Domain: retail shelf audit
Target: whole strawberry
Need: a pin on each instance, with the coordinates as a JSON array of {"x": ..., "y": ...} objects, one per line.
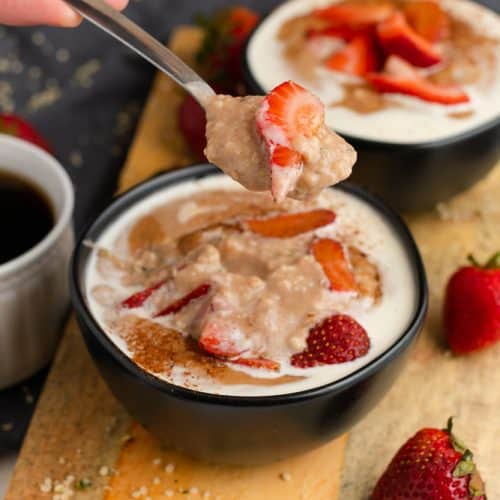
[
  {"x": 20, "y": 128},
  {"x": 432, "y": 465},
  {"x": 472, "y": 306},
  {"x": 337, "y": 339}
]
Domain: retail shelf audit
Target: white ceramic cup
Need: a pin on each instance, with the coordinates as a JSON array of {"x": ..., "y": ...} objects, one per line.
[{"x": 34, "y": 294}]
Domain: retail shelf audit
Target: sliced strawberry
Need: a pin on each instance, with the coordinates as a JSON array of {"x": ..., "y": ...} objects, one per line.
[
  {"x": 336, "y": 339},
  {"x": 138, "y": 299},
  {"x": 290, "y": 225},
  {"x": 286, "y": 167},
  {"x": 179, "y": 304},
  {"x": 287, "y": 112},
  {"x": 331, "y": 256},
  {"x": 358, "y": 57},
  {"x": 397, "y": 37},
  {"x": 354, "y": 15},
  {"x": 283, "y": 156},
  {"x": 261, "y": 363},
  {"x": 418, "y": 87},
  {"x": 218, "y": 339},
  {"x": 428, "y": 19},
  {"x": 346, "y": 33}
]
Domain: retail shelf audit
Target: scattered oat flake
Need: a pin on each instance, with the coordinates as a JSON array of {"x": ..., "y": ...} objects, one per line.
[
  {"x": 141, "y": 492},
  {"x": 6, "y": 427},
  {"x": 83, "y": 484},
  {"x": 34, "y": 72},
  {"x": 193, "y": 490},
  {"x": 169, "y": 468},
  {"x": 168, "y": 493},
  {"x": 76, "y": 158},
  {"x": 38, "y": 38},
  {"x": 62, "y": 55},
  {"x": 104, "y": 471},
  {"x": 84, "y": 75},
  {"x": 156, "y": 480},
  {"x": 44, "y": 98},
  {"x": 285, "y": 476},
  {"x": 46, "y": 485},
  {"x": 157, "y": 461},
  {"x": 7, "y": 104}
]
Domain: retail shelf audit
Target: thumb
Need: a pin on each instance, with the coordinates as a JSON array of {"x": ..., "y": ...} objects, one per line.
[{"x": 51, "y": 12}]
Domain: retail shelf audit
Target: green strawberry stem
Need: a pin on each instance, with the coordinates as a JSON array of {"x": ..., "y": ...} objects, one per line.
[
  {"x": 492, "y": 263},
  {"x": 466, "y": 465}
]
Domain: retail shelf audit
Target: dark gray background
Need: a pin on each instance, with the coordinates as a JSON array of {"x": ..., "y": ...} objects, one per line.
[{"x": 84, "y": 91}]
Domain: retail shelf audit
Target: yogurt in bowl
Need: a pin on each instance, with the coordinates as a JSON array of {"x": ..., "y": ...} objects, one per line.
[
  {"x": 283, "y": 48},
  {"x": 224, "y": 407},
  {"x": 413, "y": 152}
]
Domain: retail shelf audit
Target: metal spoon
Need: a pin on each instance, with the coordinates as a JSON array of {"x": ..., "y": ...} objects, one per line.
[{"x": 130, "y": 34}]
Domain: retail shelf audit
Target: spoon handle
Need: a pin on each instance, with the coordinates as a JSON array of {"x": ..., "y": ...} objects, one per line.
[{"x": 130, "y": 34}]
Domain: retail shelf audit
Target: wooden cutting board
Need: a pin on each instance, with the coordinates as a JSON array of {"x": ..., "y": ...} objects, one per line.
[{"x": 83, "y": 445}]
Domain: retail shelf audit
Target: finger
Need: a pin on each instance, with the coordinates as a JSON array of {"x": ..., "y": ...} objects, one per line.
[{"x": 51, "y": 12}]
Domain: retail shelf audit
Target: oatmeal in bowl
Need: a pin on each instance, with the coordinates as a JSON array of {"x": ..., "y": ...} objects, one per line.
[{"x": 202, "y": 302}]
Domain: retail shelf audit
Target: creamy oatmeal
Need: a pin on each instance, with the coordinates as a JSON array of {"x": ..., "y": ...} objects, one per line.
[
  {"x": 258, "y": 143},
  {"x": 220, "y": 290},
  {"x": 453, "y": 86}
]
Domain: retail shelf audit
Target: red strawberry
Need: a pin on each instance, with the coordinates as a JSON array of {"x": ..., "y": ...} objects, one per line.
[
  {"x": 472, "y": 306},
  {"x": 346, "y": 33},
  {"x": 337, "y": 339},
  {"x": 138, "y": 299},
  {"x": 18, "y": 127},
  {"x": 241, "y": 21},
  {"x": 432, "y": 464},
  {"x": 290, "y": 225},
  {"x": 402, "y": 78},
  {"x": 179, "y": 304},
  {"x": 192, "y": 122},
  {"x": 287, "y": 112},
  {"x": 358, "y": 57},
  {"x": 331, "y": 256},
  {"x": 354, "y": 15},
  {"x": 428, "y": 19},
  {"x": 421, "y": 88},
  {"x": 260, "y": 363},
  {"x": 220, "y": 55},
  {"x": 398, "y": 37},
  {"x": 219, "y": 339}
]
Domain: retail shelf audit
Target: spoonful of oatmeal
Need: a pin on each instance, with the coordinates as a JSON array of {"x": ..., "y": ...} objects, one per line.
[{"x": 277, "y": 143}]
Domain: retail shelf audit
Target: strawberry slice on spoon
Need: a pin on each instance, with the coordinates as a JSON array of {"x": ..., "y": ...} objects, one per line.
[{"x": 289, "y": 111}]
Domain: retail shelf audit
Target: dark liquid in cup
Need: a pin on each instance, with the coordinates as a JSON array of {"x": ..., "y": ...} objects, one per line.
[{"x": 26, "y": 215}]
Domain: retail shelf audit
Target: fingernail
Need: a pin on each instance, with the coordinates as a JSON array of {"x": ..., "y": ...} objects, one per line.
[{"x": 70, "y": 18}]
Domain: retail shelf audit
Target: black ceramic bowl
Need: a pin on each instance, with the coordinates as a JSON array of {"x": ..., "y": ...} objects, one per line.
[
  {"x": 236, "y": 429},
  {"x": 414, "y": 176}
]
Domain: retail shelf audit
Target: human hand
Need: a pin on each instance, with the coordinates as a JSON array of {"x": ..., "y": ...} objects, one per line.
[{"x": 52, "y": 12}]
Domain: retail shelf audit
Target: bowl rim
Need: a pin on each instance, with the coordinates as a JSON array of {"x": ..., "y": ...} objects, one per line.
[
  {"x": 254, "y": 86},
  {"x": 172, "y": 178}
]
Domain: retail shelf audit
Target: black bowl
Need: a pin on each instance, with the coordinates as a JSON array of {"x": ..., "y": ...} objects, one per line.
[
  {"x": 417, "y": 176},
  {"x": 236, "y": 429}
]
